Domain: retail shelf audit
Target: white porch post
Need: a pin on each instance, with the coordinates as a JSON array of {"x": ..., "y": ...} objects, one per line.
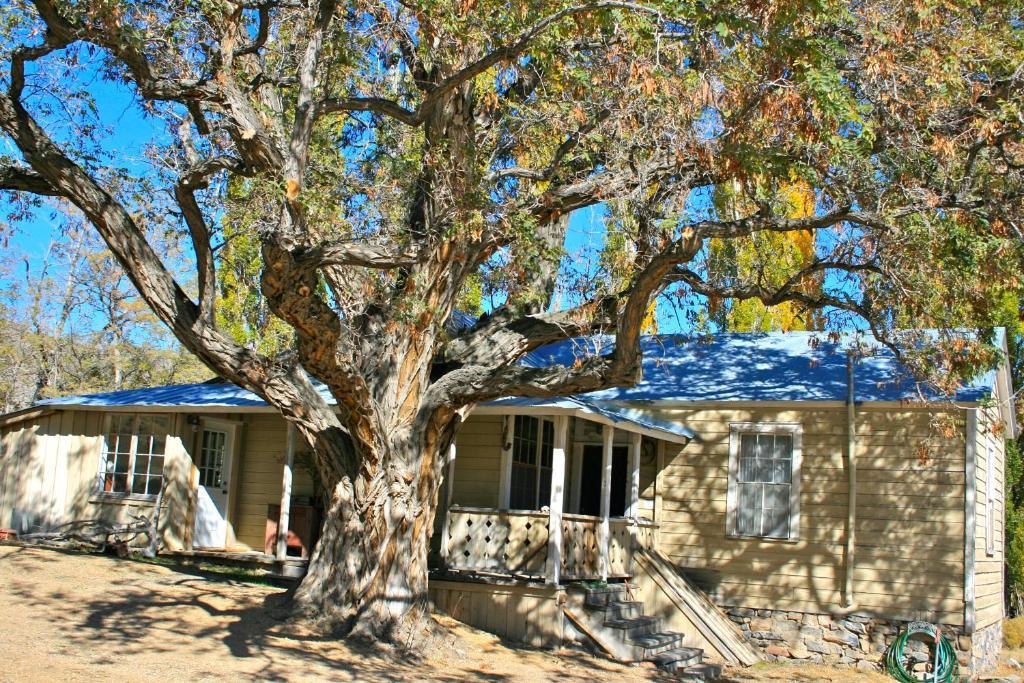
[
  {"x": 449, "y": 481},
  {"x": 554, "y": 564},
  {"x": 633, "y": 510},
  {"x": 505, "y": 481},
  {"x": 286, "y": 496},
  {"x": 608, "y": 434}
]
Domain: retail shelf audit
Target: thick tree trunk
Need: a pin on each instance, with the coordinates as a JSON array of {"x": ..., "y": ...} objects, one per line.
[{"x": 368, "y": 573}]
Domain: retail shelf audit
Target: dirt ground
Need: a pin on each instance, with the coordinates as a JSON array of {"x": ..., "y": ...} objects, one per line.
[{"x": 70, "y": 617}]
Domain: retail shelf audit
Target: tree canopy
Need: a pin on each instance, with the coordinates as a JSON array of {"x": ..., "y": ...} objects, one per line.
[{"x": 349, "y": 173}]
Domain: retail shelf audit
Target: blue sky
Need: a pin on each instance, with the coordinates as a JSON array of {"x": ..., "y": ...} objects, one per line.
[{"x": 128, "y": 131}]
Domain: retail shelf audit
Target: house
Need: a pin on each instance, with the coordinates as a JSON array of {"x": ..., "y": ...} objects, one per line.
[{"x": 764, "y": 496}]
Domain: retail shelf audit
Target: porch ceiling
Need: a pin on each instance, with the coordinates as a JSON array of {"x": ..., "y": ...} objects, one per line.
[{"x": 621, "y": 418}]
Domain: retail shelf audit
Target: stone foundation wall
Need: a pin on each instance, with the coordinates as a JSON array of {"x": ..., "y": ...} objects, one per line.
[
  {"x": 856, "y": 641},
  {"x": 986, "y": 644}
]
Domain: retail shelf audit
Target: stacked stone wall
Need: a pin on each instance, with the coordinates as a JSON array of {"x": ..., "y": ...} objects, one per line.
[{"x": 855, "y": 640}]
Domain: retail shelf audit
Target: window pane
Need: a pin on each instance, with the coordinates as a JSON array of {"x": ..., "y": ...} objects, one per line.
[
  {"x": 776, "y": 511},
  {"x": 783, "y": 446},
  {"x": 523, "y": 487},
  {"x": 547, "y": 446},
  {"x": 116, "y": 455},
  {"x": 212, "y": 454},
  {"x": 748, "y": 509},
  {"x": 544, "y": 497},
  {"x": 783, "y": 471},
  {"x": 524, "y": 441},
  {"x": 763, "y": 471},
  {"x": 748, "y": 445},
  {"x": 149, "y": 456},
  {"x": 748, "y": 469}
]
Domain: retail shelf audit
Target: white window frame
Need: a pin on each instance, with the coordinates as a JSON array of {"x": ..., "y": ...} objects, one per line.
[
  {"x": 736, "y": 429},
  {"x": 133, "y": 453},
  {"x": 508, "y": 447}
]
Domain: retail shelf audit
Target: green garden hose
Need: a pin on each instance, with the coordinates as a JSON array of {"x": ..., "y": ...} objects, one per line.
[{"x": 945, "y": 658}]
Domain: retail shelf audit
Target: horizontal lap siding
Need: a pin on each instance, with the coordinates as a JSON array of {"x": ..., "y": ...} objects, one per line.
[
  {"x": 49, "y": 466},
  {"x": 478, "y": 462},
  {"x": 988, "y": 568},
  {"x": 261, "y": 456},
  {"x": 910, "y": 515}
]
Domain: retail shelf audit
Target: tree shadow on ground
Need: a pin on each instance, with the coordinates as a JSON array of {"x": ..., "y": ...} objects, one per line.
[{"x": 125, "y": 612}]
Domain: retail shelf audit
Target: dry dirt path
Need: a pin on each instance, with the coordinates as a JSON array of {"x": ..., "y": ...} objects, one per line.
[{"x": 73, "y": 617}]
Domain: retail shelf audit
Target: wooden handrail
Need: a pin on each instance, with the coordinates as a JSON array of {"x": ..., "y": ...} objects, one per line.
[{"x": 537, "y": 513}]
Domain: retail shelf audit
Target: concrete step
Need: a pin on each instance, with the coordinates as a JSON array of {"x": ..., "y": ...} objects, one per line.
[
  {"x": 612, "y": 593},
  {"x": 678, "y": 658},
  {"x": 628, "y": 629},
  {"x": 697, "y": 673},
  {"x": 618, "y": 610},
  {"x": 652, "y": 644}
]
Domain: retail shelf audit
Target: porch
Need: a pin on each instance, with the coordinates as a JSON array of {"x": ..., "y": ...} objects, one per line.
[
  {"x": 572, "y": 501},
  {"x": 520, "y": 544}
]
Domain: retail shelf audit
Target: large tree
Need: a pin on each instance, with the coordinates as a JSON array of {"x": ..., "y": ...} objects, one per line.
[{"x": 378, "y": 160}]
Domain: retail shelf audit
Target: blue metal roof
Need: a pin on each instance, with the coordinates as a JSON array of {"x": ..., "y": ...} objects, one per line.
[
  {"x": 614, "y": 415},
  {"x": 730, "y": 367},
  {"x": 214, "y": 394},
  {"x": 790, "y": 366}
]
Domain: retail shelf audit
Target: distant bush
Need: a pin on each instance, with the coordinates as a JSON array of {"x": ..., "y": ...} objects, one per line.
[{"x": 1013, "y": 632}]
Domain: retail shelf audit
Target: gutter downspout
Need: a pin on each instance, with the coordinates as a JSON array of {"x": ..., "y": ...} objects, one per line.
[{"x": 851, "y": 464}]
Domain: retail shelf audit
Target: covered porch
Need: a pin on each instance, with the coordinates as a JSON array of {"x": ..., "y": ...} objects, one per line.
[{"x": 560, "y": 464}]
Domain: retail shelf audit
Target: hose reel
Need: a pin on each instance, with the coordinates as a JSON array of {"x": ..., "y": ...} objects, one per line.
[{"x": 942, "y": 656}]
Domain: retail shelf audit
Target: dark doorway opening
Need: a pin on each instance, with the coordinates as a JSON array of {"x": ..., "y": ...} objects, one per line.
[{"x": 590, "y": 481}]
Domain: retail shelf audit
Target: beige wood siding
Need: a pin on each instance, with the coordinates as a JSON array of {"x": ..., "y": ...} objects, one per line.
[
  {"x": 260, "y": 465},
  {"x": 988, "y": 567},
  {"x": 520, "y": 614},
  {"x": 910, "y": 515},
  {"x": 49, "y": 466},
  {"x": 478, "y": 462}
]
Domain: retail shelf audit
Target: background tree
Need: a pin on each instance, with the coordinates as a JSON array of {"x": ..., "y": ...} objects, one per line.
[
  {"x": 764, "y": 259},
  {"x": 71, "y": 322},
  {"x": 390, "y": 159}
]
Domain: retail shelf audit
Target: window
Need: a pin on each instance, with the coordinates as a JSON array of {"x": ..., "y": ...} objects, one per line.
[
  {"x": 764, "y": 480},
  {"x": 533, "y": 443},
  {"x": 132, "y": 461},
  {"x": 212, "y": 454}
]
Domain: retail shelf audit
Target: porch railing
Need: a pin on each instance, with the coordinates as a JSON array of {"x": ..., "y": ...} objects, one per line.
[
  {"x": 516, "y": 543},
  {"x": 503, "y": 542}
]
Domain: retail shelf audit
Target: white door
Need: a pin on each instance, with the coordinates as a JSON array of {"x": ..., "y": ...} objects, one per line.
[{"x": 215, "y": 448}]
